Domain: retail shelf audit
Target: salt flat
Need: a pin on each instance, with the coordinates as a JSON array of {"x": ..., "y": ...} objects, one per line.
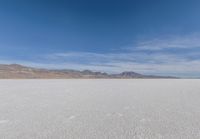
[{"x": 100, "y": 109}]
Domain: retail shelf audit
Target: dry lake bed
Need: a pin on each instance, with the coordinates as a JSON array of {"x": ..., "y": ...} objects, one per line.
[{"x": 100, "y": 109}]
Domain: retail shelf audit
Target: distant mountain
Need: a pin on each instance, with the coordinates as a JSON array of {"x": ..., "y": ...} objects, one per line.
[
  {"x": 15, "y": 71},
  {"x": 129, "y": 74}
]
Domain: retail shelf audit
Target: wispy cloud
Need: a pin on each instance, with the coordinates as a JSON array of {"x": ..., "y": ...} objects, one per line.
[
  {"x": 177, "y": 56},
  {"x": 172, "y": 42},
  {"x": 169, "y": 56},
  {"x": 162, "y": 64},
  {"x": 153, "y": 63}
]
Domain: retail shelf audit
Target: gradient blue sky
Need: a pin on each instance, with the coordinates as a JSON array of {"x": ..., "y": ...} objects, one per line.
[{"x": 147, "y": 36}]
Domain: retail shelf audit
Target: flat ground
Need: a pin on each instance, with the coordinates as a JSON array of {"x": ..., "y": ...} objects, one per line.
[{"x": 100, "y": 109}]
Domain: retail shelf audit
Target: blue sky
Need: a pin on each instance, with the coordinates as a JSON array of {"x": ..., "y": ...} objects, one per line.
[{"x": 147, "y": 36}]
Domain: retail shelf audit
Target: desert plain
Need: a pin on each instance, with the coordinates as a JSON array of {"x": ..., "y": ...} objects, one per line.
[{"x": 100, "y": 109}]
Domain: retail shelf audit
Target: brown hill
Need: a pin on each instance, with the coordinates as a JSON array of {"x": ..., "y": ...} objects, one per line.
[{"x": 15, "y": 71}]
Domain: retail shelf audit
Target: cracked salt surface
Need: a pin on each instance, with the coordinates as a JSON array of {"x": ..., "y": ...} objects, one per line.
[{"x": 100, "y": 109}]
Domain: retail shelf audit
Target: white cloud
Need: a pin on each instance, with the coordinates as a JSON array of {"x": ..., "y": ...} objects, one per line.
[
  {"x": 159, "y": 61},
  {"x": 173, "y": 42}
]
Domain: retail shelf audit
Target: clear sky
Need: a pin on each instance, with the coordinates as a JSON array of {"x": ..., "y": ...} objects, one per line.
[{"x": 147, "y": 36}]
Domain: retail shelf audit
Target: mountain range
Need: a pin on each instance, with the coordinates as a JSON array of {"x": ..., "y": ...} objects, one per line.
[{"x": 16, "y": 71}]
